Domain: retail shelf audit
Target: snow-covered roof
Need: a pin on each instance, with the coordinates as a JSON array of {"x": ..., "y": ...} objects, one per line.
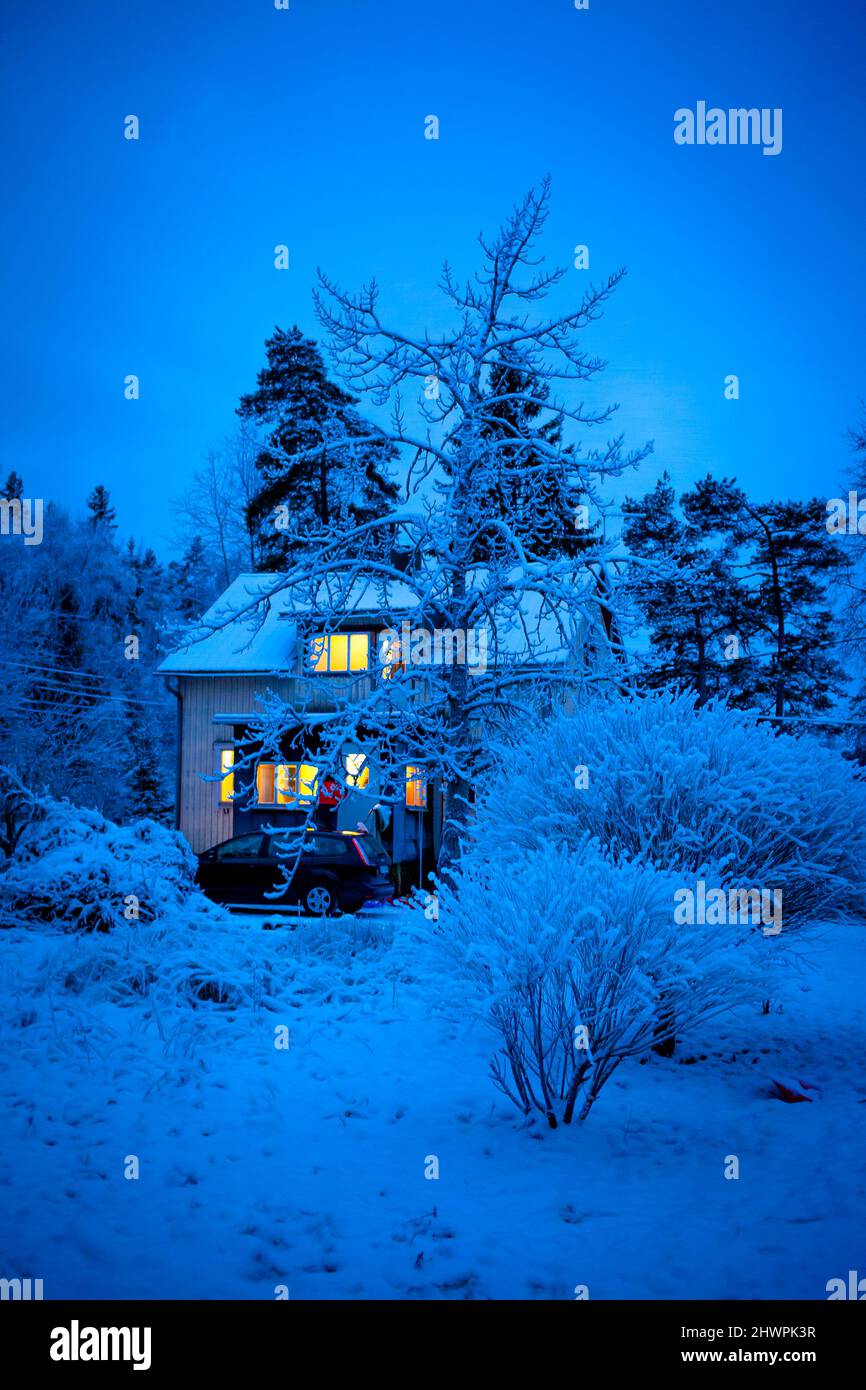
[{"x": 252, "y": 628}]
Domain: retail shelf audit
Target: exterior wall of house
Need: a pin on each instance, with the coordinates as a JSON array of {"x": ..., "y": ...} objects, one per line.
[{"x": 201, "y": 817}]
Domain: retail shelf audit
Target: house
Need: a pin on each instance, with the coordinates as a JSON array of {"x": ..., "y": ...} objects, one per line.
[
  {"x": 255, "y": 643},
  {"x": 259, "y": 641}
]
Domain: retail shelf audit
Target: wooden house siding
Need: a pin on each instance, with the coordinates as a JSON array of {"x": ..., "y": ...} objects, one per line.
[{"x": 200, "y": 816}]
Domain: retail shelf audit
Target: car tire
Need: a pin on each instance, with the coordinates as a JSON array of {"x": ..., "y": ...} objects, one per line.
[{"x": 321, "y": 900}]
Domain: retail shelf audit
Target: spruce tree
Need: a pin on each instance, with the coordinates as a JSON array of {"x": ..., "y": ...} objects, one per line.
[
  {"x": 528, "y": 477},
  {"x": 102, "y": 513},
  {"x": 192, "y": 585},
  {"x": 320, "y": 461}
]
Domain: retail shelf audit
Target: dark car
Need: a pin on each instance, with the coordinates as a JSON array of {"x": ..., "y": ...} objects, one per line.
[{"x": 338, "y": 870}]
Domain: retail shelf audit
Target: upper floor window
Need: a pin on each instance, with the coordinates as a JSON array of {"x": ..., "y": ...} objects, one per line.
[{"x": 331, "y": 653}]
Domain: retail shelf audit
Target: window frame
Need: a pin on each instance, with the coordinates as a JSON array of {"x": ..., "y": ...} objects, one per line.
[
  {"x": 327, "y": 639},
  {"x": 288, "y": 798},
  {"x": 223, "y": 750},
  {"x": 415, "y": 776}
]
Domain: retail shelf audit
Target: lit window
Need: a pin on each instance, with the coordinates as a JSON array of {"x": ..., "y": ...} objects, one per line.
[
  {"x": 340, "y": 652},
  {"x": 308, "y": 781},
  {"x": 416, "y": 788},
  {"x": 265, "y": 784},
  {"x": 357, "y": 770},
  {"x": 286, "y": 784},
  {"x": 227, "y": 776}
]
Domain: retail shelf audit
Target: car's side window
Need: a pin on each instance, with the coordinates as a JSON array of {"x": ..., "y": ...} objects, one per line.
[
  {"x": 286, "y": 846},
  {"x": 329, "y": 849},
  {"x": 244, "y": 847}
]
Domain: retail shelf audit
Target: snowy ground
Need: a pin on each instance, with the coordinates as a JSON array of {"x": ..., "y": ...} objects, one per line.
[{"x": 305, "y": 1167}]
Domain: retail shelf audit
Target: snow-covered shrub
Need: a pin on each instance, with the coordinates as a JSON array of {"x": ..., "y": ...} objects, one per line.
[
  {"x": 76, "y": 870},
  {"x": 704, "y": 792},
  {"x": 575, "y": 962}
]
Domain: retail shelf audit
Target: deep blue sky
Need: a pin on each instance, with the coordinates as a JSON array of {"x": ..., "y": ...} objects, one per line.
[{"x": 261, "y": 126}]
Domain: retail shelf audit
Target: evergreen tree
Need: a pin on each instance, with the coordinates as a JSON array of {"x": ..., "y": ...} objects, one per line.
[
  {"x": 853, "y": 544},
  {"x": 192, "y": 585},
  {"x": 13, "y": 487},
  {"x": 321, "y": 462},
  {"x": 146, "y": 765},
  {"x": 730, "y": 568},
  {"x": 685, "y": 592},
  {"x": 528, "y": 477},
  {"x": 102, "y": 513}
]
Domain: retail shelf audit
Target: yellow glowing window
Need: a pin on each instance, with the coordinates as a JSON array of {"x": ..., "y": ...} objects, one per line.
[
  {"x": 416, "y": 788},
  {"x": 357, "y": 770},
  {"x": 265, "y": 784},
  {"x": 341, "y": 651},
  {"x": 307, "y": 777},
  {"x": 227, "y": 776},
  {"x": 286, "y": 784}
]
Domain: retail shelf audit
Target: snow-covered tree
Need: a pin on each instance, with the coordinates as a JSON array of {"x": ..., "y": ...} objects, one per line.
[
  {"x": 576, "y": 955},
  {"x": 853, "y": 624},
  {"x": 464, "y": 562},
  {"x": 191, "y": 587},
  {"x": 79, "y": 629}
]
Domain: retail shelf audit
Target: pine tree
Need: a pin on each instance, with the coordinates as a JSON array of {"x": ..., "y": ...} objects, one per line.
[
  {"x": 734, "y": 595},
  {"x": 683, "y": 591},
  {"x": 102, "y": 513},
  {"x": 13, "y": 487},
  {"x": 784, "y": 560},
  {"x": 320, "y": 462}
]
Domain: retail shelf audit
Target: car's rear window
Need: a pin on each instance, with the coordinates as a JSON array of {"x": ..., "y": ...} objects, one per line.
[
  {"x": 373, "y": 847},
  {"x": 333, "y": 846}
]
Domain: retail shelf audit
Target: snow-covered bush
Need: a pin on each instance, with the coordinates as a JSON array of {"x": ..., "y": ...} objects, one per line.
[
  {"x": 575, "y": 963},
  {"x": 75, "y": 870},
  {"x": 699, "y": 791}
]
